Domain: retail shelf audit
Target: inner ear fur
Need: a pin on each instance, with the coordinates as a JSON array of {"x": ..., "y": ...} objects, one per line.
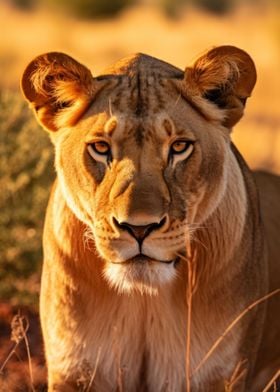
[
  {"x": 224, "y": 76},
  {"x": 58, "y": 88}
]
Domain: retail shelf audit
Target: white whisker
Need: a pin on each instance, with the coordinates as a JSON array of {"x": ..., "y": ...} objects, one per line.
[
  {"x": 110, "y": 107},
  {"x": 176, "y": 102},
  {"x": 195, "y": 239},
  {"x": 88, "y": 239}
]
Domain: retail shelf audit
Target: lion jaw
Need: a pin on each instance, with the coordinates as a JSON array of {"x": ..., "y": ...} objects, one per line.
[{"x": 142, "y": 275}]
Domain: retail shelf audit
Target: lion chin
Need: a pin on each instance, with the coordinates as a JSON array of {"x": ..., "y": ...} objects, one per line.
[{"x": 140, "y": 274}]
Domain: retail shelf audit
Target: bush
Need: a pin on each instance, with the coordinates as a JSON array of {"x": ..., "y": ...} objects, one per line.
[
  {"x": 173, "y": 7},
  {"x": 90, "y": 8},
  {"x": 26, "y": 174},
  {"x": 24, "y": 4},
  {"x": 216, "y": 6}
]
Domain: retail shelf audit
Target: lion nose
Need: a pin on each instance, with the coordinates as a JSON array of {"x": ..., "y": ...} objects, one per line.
[{"x": 139, "y": 232}]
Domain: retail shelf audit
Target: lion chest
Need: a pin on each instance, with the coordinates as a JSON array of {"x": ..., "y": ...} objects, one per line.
[
  {"x": 134, "y": 342},
  {"x": 144, "y": 343},
  {"x": 138, "y": 343}
]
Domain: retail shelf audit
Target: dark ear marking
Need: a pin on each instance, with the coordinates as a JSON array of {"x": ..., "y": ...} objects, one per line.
[
  {"x": 216, "y": 96},
  {"x": 243, "y": 100}
]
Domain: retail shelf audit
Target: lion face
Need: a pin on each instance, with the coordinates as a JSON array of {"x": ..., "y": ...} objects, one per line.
[
  {"x": 142, "y": 185},
  {"x": 140, "y": 163}
]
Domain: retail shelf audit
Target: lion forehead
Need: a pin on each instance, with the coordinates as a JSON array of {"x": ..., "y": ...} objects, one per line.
[
  {"x": 134, "y": 133},
  {"x": 144, "y": 64},
  {"x": 139, "y": 85}
]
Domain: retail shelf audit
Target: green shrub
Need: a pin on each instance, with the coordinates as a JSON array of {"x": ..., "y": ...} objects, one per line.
[
  {"x": 90, "y": 8},
  {"x": 24, "y": 4},
  {"x": 173, "y": 7},
  {"x": 216, "y": 6},
  {"x": 26, "y": 174}
]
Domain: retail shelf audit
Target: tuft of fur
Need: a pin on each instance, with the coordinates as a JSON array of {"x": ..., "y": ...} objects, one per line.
[
  {"x": 224, "y": 76},
  {"x": 59, "y": 88},
  {"x": 208, "y": 74}
]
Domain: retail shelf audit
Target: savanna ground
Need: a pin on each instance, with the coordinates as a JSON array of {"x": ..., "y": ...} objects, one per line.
[{"x": 26, "y": 157}]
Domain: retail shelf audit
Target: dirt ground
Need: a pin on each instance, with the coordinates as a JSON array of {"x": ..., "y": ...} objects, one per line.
[{"x": 16, "y": 375}]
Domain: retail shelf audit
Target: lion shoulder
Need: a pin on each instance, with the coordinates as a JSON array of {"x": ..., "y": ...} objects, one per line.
[{"x": 269, "y": 193}]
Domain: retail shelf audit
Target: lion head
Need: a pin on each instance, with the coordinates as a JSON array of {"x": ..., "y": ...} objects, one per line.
[{"x": 142, "y": 151}]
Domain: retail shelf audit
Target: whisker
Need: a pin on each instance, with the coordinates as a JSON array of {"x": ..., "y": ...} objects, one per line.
[
  {"x": 195, "y": 239},
  {"x": 88, "y": 239},
  {"x": 110, "y": 107},
  {"x": 176, "y": 102},
  {"x": 198, "y": 226}
]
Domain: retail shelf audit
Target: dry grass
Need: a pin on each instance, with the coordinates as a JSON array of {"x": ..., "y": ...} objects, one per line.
[
  {"x": 272, "y": 383},
  {"x": 19, "y": 331},
  {"x": 232, "y": 325},
  {"x": 19, "y": 328},
  {"x": 240, "y": 369},
  {"x": 237, "y": 375},
  {"x": 86, "y": 373},
  {"x": 191, "y": 289}
]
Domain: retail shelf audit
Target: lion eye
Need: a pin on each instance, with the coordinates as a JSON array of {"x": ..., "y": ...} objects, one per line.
[
  {"x": 101, "y": 147},
  {"x": 179, "y": 146},
  {"x": 100, "y": 151},
  {"x": 180, "y": 150}
]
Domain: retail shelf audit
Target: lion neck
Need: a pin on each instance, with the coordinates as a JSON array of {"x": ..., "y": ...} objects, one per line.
[
  {"x": 231, "y": 240},
  {"x": 220, "y": 238}
]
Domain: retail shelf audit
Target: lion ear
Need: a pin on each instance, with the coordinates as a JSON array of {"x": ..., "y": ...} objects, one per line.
[
  {"x": 58, "y": 88},
  {"x": 224, "y": 76}
]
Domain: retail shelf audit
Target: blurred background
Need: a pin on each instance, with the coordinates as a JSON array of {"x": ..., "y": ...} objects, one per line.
[{"x": 97, "y": 33}]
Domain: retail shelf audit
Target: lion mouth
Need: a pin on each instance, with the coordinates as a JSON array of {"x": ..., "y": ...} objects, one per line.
[
  {"x": 140, "y": 273},
  {"x": 143, "y": 259}
]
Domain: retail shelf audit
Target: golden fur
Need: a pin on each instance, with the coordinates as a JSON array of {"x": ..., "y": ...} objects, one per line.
[{"x": 121, "y": 223}]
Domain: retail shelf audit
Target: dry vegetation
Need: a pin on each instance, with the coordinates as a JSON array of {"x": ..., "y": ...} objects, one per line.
[{"x": 26, "y": 166}]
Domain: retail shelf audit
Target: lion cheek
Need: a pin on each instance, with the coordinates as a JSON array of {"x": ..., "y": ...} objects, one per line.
[
  {"x": 163, "y": 251},
  {"x": 116, "y": 251}
]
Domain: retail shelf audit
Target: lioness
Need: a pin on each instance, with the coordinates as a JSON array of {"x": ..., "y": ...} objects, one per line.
[{"x": 149, "y": 189}]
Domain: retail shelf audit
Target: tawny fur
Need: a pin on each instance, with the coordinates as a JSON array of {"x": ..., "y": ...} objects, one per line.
[{"x": 125, "y": 320}]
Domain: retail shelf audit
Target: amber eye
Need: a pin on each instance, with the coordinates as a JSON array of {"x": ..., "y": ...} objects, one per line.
[
  {"x": 180, "y": 150},
  {"x": 101, "y": 148},
  {"x": 180, "y": 146},
  {"x": 100, "y": 151}
]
